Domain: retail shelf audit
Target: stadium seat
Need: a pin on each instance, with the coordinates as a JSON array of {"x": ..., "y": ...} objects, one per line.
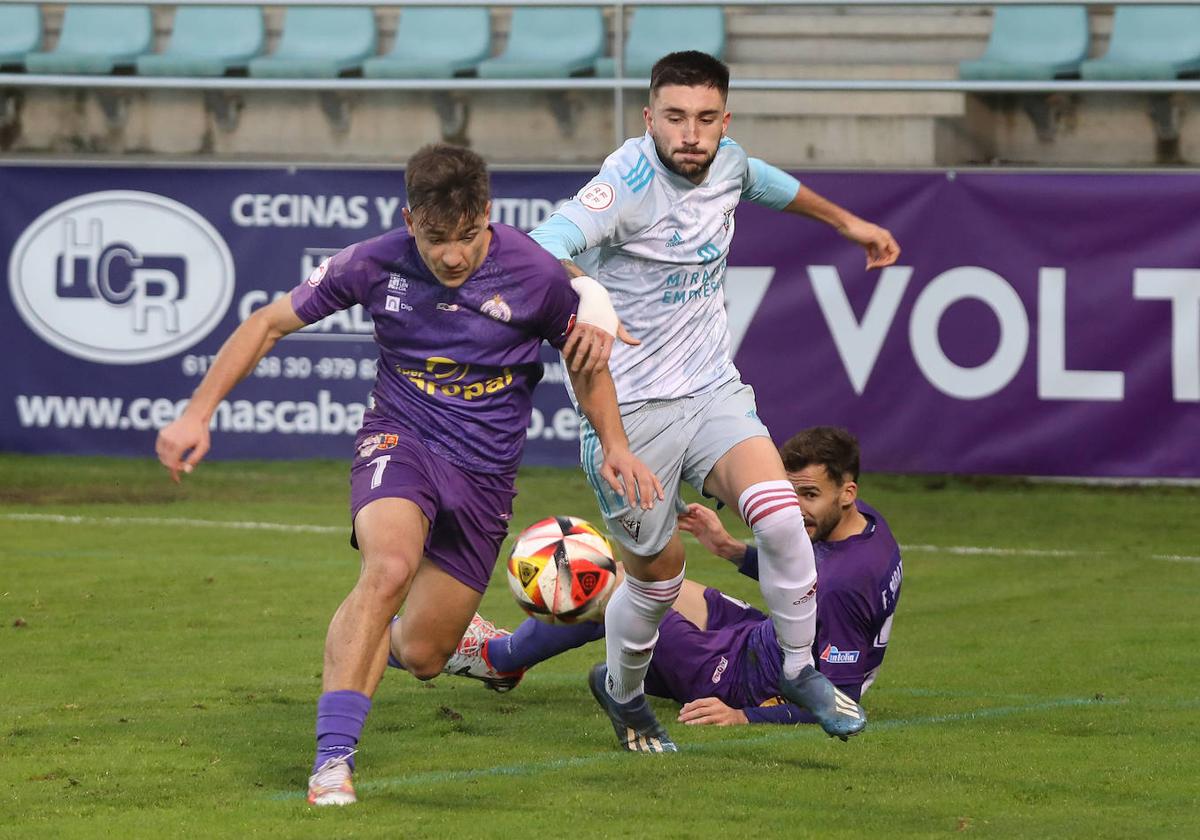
[
  {"x": 208, "y": 41},
  {"x": 97, "y": 39},
  {"x": 319, "y": 42},
  {"x": 549, "y": 43},
  {"x": 435, "y": 43},
  {"x": 1032, "y": 42},
  {"x": 20, "y": 32},
  {"x": 655, "y": 31},
  {"x": 1150, "y": 42}
]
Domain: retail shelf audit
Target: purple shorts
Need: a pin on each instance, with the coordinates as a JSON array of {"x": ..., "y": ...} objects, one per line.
[
  {"x": 690, "y": 663},
  {"x": 468, "y": 513}
]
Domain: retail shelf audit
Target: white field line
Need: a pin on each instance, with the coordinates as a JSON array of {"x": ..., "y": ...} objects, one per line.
[
  {"x": 180, "y": 522},
  {"x": 174, "y": 522}
]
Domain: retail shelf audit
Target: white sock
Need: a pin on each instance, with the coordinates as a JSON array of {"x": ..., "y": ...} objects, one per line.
[
  {"x": 631, "y": 629},
  {"x": 787, "y": 570}
]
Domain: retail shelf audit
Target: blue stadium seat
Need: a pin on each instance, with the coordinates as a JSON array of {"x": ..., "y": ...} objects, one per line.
[
  {"x": 320, "y": 42},
  {"x": 1032, "y": 42},
  {"x": 435, "y": 43},
  {"x": 655, "y": 31},
  {"x": 96, "y": 40},
  {"x": 208, "y": 41},
  {"x": 20, "y": 32},
  {"x": 1150, "y": 42},
  {"x": 548, "y": 43}
]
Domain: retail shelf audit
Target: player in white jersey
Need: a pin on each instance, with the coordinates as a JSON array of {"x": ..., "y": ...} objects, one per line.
[{"x": 654, "y": 227}]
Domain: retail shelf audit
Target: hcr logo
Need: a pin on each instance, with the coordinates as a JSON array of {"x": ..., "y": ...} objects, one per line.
[{"x": 121, "y": 277}]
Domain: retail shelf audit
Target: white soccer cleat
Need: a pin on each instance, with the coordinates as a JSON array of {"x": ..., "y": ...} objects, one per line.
[
  {"x": 470, "y": 658},
  {"x": 331, "y": 784}
]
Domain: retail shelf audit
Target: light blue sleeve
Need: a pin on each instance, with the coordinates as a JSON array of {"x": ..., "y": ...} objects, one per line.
[
  {"x": 560, "y": 236},
  {"x": 768, "y": 185}
]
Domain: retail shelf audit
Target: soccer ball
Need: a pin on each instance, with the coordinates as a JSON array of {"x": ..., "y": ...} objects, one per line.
[{"x": 561, "y": 570}]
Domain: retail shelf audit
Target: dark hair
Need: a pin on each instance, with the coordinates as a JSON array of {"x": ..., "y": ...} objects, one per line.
[
  {"x": 690, "y": 68},
  {"x": 446, "y": 185},
  {"x": 831, "y": 447}
]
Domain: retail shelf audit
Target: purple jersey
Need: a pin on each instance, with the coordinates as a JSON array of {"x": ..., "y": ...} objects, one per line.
[
  {"x": 458, "y": 366},
  {"x": 858, "y": 585}
]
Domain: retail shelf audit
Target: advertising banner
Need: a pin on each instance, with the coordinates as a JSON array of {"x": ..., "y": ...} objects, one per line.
[{"x": 1042, "y": 324}]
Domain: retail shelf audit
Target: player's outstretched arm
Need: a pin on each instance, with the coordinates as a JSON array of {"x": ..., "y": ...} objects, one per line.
[
  {"x": 704, "y": 524},
  {"x": 881, "y": 247},
  {"x": 181, "y": 445},
  {"x": 623, "y": 471}
]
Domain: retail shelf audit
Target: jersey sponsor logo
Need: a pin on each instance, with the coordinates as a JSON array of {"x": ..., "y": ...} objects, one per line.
[
  {"x": 838, "y": 657},
  {"x": 598, "y": 196},
  {"x": 121, "y": 277},
  {"x": 397, "y": 283},
  {"x": 318, "y": 274},
  {"x": 675, "y": 241},
  {"x": 496, "y": 308},
  {"x": 720, "y": 670},
  {"x": 444, "y": 377},
  {"x": 392, "y": 304},
  {"x": 708, "y": 252},
  {"x": 447, "y": 307}
]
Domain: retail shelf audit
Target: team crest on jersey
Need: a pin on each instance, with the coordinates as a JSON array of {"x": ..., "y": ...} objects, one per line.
[
  {"x": 318, "y": 274},
  {"x": 838, "y": 657},
  {"x": 728, "y": 212},
  {"x": 374, "y": 443},
  {"x": 598, "y": 196},
  {"x": 497, "y": 308}
]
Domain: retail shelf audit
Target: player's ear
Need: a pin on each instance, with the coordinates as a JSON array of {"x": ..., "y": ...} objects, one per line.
[
  {"x": 849, "y": 493},
  {"x": 646, "y": 115},
  {"x": 725, "y": 123},
  {"x": 408, "y": 219}
]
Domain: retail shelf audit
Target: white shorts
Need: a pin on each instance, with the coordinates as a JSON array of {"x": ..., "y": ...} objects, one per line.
[{"x": 680, "y": 440}]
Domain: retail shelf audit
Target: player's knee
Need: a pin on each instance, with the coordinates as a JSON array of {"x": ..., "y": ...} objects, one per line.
[
  {"x": 423, "y": 659},
  {"x": 387, "y": 578}
]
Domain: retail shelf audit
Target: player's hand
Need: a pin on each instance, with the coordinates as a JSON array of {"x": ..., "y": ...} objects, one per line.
[
  {"x": 589, "y": 347},
  {"x": 711, "y": 712},
  {"x": 704, "y": 524},
  {"x": 881, "y": 247},
  {"x": 186, "y": 436},
  {"x": 631, "y": 479}
]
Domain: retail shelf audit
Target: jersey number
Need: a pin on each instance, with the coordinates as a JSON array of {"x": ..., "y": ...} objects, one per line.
[{"x": 380, "y": 463}]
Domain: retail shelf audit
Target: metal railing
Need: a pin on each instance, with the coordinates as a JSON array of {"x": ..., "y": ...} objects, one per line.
[{"x": 619, "y": 83}]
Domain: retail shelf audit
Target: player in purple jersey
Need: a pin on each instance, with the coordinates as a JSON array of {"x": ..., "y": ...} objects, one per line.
[
  {"x": 718, "y": 656},
  {"x": 460, "y": 308}
]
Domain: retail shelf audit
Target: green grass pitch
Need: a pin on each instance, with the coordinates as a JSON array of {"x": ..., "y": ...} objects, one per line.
[{"x": 159, "y": 666}]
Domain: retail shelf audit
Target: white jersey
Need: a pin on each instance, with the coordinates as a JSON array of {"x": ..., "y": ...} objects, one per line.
[{"x": 659, "y": 244}]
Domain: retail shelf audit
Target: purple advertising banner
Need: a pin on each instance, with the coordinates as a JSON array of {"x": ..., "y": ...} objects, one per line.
[{"x": 1041, "y": 324}]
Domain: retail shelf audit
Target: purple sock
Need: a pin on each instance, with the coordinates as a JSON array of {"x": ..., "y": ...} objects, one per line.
[
  {"x": 340, "y": 719},
  {"x": 535, "y": 641},
  {"x": 393, "y": 662}
]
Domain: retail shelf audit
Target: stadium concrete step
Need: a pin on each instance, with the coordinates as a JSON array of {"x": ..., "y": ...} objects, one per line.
[{"x": 843, "y": 70}]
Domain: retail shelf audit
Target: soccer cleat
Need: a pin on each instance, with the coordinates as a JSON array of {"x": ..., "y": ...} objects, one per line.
[
  {"x": 331, "y": 785},
  {"x": 638, "y": 730},
  {"x": 837, "y": 714},
  {"x": 470, "y": 659}
]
